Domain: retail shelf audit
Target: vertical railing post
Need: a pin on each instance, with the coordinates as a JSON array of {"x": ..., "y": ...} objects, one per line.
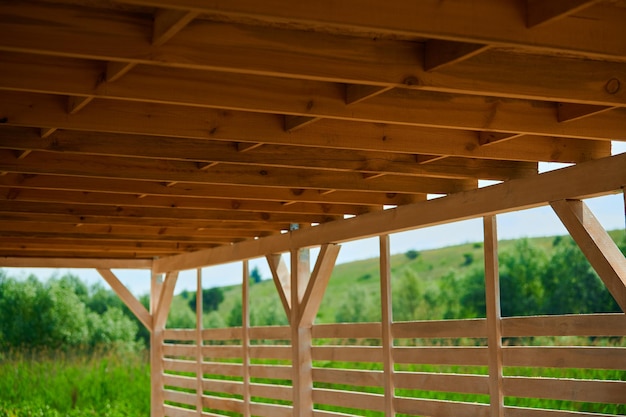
[
  {"x": 199, "y": 342},
  {"x": 302, "y": 363},
  {"x": 386, "y": 318},
  {"x": 245, "y": 338},
  {"x": 156, "y": 352},
  {"x": 494, "y": 318}
]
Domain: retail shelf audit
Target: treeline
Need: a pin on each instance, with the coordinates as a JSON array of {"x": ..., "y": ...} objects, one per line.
[
  {"x": 65, "y": 313},
  {"x": 532, "y": 282}
]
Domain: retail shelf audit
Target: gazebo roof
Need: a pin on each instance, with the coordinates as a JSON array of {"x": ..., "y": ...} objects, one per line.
[{"x": 149, "y": 128}]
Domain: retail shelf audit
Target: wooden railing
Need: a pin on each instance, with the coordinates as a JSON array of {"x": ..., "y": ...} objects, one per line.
[{"x": 440, "y": 368}]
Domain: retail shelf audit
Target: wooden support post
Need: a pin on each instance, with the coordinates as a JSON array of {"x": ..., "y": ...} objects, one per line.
[
  {"x": 156, "y": 352},
  {"x": 165, "y": 300},
  {"x": 386, "y": 317},
  {"x": 494, "y": 319},
  {"x": 127, "y": 297},
  {"x": 302, "y": 363},
  {"x": 199, "y": 342},
  {"x": 602, "y": 253},
  {"x": 245, "y": 337}
]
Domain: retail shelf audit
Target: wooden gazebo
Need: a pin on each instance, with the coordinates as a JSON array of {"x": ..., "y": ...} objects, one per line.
[{"x": 176, "y": 134}]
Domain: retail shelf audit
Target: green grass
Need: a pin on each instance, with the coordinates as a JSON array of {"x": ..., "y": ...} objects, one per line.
[{"x": 78, "y": 384}]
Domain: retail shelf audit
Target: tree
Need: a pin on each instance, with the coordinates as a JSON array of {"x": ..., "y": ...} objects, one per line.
[
  {"x": 412, "y": 254},
  {"x": 406, "y": 297},
  {"x": 255, "y": 275},
  {"x": 572, "y": 286},
  {"x": 211, "y": 299}
]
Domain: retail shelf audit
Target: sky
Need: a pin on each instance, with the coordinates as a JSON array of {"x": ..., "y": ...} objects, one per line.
[{"x": 542, "y": 221}]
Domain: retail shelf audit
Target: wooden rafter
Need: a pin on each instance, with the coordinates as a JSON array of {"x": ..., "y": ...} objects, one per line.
[
  {"x": 493, "y": 21},
  {"x": 540, "y": 12}
]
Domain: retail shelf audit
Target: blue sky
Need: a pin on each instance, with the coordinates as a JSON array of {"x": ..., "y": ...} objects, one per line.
[{"x": 528, "y": 223}]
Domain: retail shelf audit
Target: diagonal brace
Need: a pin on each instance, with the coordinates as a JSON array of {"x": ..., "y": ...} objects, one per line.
[
  {"x": 127, "y": 297},
  {"x": 596, "y": 244}
]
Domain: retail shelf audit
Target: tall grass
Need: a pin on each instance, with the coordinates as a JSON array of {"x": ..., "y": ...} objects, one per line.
[{"x": 112, "y": 383}]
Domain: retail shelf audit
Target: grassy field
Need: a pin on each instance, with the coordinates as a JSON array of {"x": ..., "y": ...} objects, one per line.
[{"x": 79, "y": 384}]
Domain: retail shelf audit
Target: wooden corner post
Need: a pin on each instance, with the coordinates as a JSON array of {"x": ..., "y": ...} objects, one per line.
[
  {"x": 301, "y": 296},
  {"x": 494, "y": 319},
  {"x": 161, "y": 294}
]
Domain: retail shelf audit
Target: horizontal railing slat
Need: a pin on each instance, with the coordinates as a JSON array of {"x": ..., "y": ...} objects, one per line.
[
  {"x": 270, "y": 333},
  {"x": 611, "y": 392},
  {"x": 270, "y": 352},
  {"x": 222, "y": 351},
  {"x": 170, "y": 349},
  {"x": 472, "y": 328},
  {"x": 538, "y": 412},
  {"x": 347, "y": 331},
  {"x": 221, "y": 334},
  {"x": 350, "y": 399},
  {"x": 179, "y": 365},
  {"x": 179, "y": 397},
  {"x": 224, "y": 386},
  {"x": 441, "y": 355},
  {"x": 270, "y": 410},
  {"x": 439, "y": 408},
  {"x": 180, "y": 381},
  {"x": 468, "y": 384},
  {"x": 348, "y": 377},
  {"x": 179, "y": 334},
  {"x": 271, "y": 371},
  {"x": 565, "y": 357},
  {"x": 173, "y": 411},
  {"x": 226, "y": 369},
  {"x": 347, "y": 353},
  {"x": 277, "y": 392},
  {"x": 224, "y": 404},
  {"x": 566, "y": 325}
]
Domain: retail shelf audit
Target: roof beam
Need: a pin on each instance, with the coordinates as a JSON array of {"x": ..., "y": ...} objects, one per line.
[
  {"x": 182, "y": 171},
  {"x": 539, "y": 12},
  {"x": 297, "y": 54},
  {"x": 11, "y": 262},
  {"x": 179, "y": 121},
  {"x": 138, "y": 188},
  {"x": 127, "y": 200},
  {"x": 183, "y": 149},
  {"x": 497, "y": 22},
  {"x": 592, "y": 178},
  {"x": 315, "y": 99}
]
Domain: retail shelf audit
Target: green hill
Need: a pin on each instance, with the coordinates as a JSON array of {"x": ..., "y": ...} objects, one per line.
[{"x": 354, "y": 287}]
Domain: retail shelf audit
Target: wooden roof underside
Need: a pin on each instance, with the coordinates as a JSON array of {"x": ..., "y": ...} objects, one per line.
[{"x": 147, "y": 128}]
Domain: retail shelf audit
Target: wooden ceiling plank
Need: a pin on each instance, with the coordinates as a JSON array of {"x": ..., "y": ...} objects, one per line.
[
  {"x": 114, "y": 221},
  {"x": 283, "y": 96},
  {"x": 592, "y": 178},
  {"x": 539, "y": 12},
  {"x": 84, "y": 210},
  {"x": 110, "y": 199},
  {"x": 30, "y": 228},
  {"x": 493, "y": 21},
  {"x": 178, "y": 121},
  {"x": 39, "y": 257},
  {"x": 293, "y": 54},
  {"x": 272, "y": 95},
  {"x": 178, "y": 171},
  {"x": 271, "y": 155},
  {"x": 108, "y": 238},
  {"x": 133, "y": 187},
  {"x": 573, "y": 111},
  {"x": 82, "y": 245},
  {"x": 168, "y": 22},
  {"x": 245, "y": 147},
  {"x": 439, "y": 53}
]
